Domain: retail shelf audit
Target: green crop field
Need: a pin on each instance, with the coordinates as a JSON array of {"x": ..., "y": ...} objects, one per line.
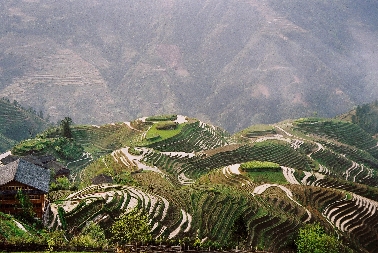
[{"x": 261, "y": 177}]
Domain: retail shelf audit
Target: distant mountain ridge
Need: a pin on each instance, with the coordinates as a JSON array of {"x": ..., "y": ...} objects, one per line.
[{"x": 232, "y": 63}]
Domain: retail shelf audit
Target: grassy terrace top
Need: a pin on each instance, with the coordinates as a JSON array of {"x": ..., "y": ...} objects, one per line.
[
  {"x": 258, "y": 165},
  {"x": 162, "y": 118},
  {"x": 187, "y": 137},
  {"x": 154, "y": 134},
  {"x": 256, "y": 130}
]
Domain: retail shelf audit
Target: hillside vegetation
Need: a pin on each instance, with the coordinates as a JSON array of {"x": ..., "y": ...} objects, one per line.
[
  {"x": 366, "y": 116},
  {"x": 18, "y": 123},
  {"x": 196, "y": 184}
]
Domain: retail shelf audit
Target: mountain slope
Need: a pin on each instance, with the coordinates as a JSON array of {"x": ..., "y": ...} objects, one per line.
[
  {"x": 17, "y": 123},
  {"x": 366, "y": 116},
  {"x": 233, "y": 63}
]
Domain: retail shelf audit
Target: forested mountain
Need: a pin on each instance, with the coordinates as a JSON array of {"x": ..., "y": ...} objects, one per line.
[{"x": 230, "y": 62}]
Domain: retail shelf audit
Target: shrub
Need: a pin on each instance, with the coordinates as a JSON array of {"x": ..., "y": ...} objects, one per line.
[
  {"x": 61, "y": 183},
  {"x": 26, "y": 239},
  {"x": 61, "y": 147},
  {"x": 56, "y": 239},
  {"x": 62, "y": 217},
  {"x": 92, "y": 236},
  {"x": 167, "y": 125},
  {"x": 134, "y": 151},
  {"x": 162, "y": 118},
  {"x": 132, "y": 227},
  {"x": 25, "y": 205},
  {"x": 313, "y": 239}
]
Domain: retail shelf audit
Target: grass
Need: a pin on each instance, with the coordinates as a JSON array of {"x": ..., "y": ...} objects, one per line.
[
  {"x": 257, "y": 128},
  {"x": 255, "y": 131},
  {"x": 162, "y": 118},
  {"x": 267, "y": 177},
  {"x": 260, "y": 166},
  {"x": 104, "y": 165},
  {"x": 164, "y": 134},
  {"x": 62, "y": 148},
  {"x": 348, "y": 196}
]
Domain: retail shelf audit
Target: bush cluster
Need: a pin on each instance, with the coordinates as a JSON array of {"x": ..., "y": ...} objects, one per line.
[
  {"x": 167, "y": 125},
  {"x": 171, "y": 117},
  {"x": 312, "y": 239},
  {"x": 62, "y": 183},
  {"x": 61, "y": 147}
]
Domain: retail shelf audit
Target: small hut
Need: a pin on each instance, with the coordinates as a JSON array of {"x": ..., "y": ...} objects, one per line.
[{"x": 102, "y": 179}]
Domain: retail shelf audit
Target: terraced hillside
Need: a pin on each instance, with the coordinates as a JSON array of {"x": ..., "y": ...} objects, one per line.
[
  {"x": 190, "y": 180},
  {"x": 366, "y": 116},
  {"x": 17, "y": 123}
]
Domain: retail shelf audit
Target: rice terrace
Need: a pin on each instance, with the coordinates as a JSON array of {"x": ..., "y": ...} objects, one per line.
[{"x": 193, "y": 186}]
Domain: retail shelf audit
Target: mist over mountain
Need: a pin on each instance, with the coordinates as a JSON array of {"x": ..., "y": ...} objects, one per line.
[{"x": 233, "y": 63}]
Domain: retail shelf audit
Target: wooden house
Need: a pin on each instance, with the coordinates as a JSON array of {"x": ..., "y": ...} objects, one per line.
[
  {"x": 22, "y": 175},
  {"x": 47, "y": 162}
]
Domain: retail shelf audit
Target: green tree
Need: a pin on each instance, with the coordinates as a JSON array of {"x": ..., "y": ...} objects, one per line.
[
  {"x": 61, "y": 183},
  {"x": 132, "y": 228},
  {"x": 92, "y": 236},
  {"x": 65, "y": 126},
  {"x": 56, "y": 239},
  {"x": 26, "y": 206},
  {"x": 313, "y": 239}
]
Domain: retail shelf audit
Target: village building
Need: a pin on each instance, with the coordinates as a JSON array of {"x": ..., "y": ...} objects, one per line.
[
  {"x": 48, "y": 162},
  {"x": 22, "y": 175},
  {"x": 102, "y": 179}
]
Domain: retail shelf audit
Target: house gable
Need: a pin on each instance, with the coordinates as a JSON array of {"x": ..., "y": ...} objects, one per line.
[{"x": 26, "y": 173}]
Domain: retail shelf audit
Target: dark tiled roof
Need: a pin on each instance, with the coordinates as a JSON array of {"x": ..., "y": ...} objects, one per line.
[
  {"x": 9, "y": 159},
  {"x": 54, "y": 166},
  {"x": 102, "y": 179},
  {"x": 26, "y": 173},
  {"x": 62, "y": 172},
  {"x": 37, "y": 160},
  {"x": 33, "y": 160},
  {"x": 46, "y": 158}
]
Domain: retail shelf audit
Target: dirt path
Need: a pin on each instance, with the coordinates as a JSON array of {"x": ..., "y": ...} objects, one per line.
[
  {"x": 289, "y": 175},
  {"x": 136, "y": 160},
  {"x": 181, "y": 119},
  {"x": 261, "y": 188},
  {"x": 129, "y": 125}
]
